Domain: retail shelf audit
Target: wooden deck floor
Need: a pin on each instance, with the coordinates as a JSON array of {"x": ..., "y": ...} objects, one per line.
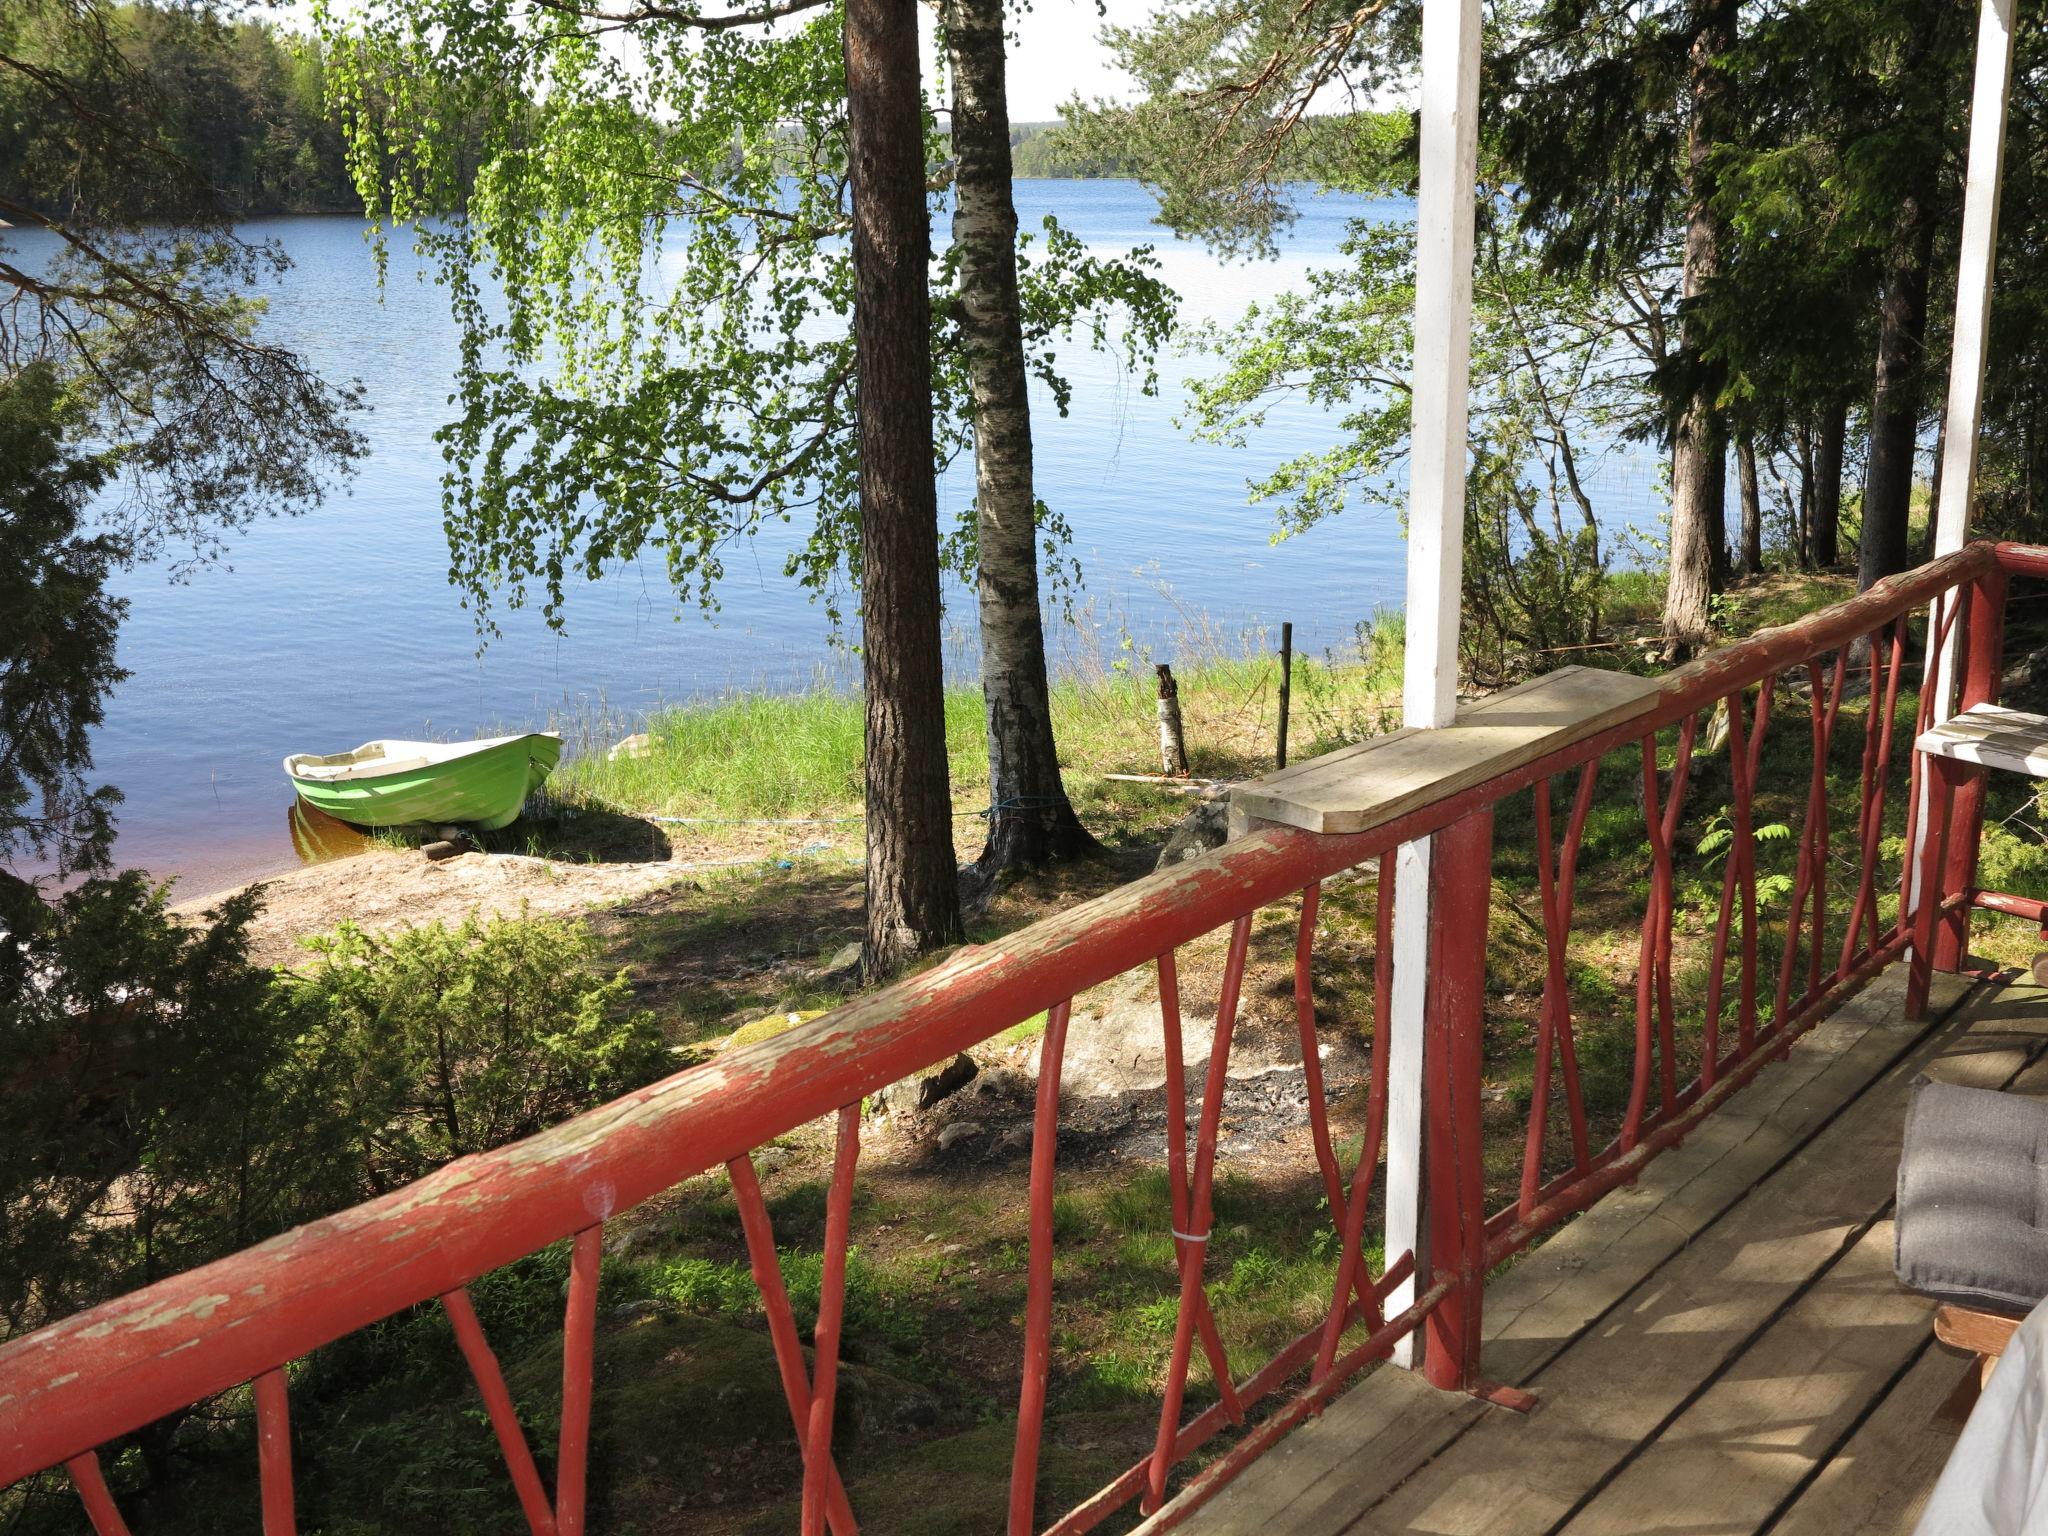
[{"x": 1721, "y": 1348}]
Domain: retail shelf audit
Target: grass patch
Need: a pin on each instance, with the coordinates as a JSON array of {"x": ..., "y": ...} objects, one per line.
[{"x": 798, "y": 756}]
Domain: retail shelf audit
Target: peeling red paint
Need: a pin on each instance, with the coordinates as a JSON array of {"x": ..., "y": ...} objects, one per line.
[{"x": 83, "y": 1381}]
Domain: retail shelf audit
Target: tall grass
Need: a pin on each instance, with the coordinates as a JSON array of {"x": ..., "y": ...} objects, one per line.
[
  {"x": 799, "y": 755},
  {"x": 794, "y": 754}
]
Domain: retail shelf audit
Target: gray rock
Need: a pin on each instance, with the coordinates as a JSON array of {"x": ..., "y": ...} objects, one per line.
[
  {"x": 771, "y": 1159},
  {"x": 1016, "y": 1139},
  {"x": 957, "y": 1132},
  {"x": 1206, "y": 826},
  {"x": 999, "y": 1083},
  {"x": 624, "y": 1240},
  {"x": 923, "y": 1089},
  {"x": 842, "y": 970},
  {"x": 918, "y": 1410}
]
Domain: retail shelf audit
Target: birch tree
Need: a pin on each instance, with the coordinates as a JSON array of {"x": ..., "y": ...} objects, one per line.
[
  {"x": 1031, "y": 820},
  {"x": 653, "y": 277}
]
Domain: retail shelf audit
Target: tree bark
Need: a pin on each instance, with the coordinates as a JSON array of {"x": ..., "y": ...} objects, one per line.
[
  {"x": 1827, "y": 484},
  {"x": 1031, "y": 821},
  {"x": 1895, "y": 398},
  {"x": 913, "y": 897},
  {"x": 1699, "y": 470},
  {"x": 1752, "y": 506}
]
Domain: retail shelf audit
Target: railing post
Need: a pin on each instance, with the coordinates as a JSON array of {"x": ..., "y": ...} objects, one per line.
[
  {"x": 1982, "y": 662},
  {"x": 1446, "y": 213},
  {"x": 1461, "y": 874}
]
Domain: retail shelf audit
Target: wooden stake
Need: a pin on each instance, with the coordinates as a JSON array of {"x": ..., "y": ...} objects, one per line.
[
  {"x": 1173, "y": 746},
  {"x": 1286, "y": 677}
]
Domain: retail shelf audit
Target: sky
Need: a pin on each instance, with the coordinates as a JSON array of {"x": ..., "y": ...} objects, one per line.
[{"x": 1055, "y": 53}]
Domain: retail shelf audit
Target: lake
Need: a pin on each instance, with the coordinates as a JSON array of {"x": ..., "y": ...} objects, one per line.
[{"x": 326, "y": 630}]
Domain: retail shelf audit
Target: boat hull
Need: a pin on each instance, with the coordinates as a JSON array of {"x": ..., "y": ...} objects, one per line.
[{"x": 485, "y": 789}]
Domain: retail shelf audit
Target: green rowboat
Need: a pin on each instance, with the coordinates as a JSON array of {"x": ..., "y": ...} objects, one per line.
[{"x": 482, "y": 784}]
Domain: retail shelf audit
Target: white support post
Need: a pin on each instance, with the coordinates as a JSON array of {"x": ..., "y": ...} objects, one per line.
[
  {"x": 1975, "y": 265},
  {"x": 1444, "y": 218}
]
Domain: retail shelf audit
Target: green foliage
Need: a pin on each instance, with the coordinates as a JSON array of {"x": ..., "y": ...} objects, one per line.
[
  {"x": 145, "y": 307},
  {"x": 162, "y": 1110},
  {"x": 652, "y": 273},
  {"x": 1551, "y": 376},
  {"x": 238, "y": 101},
  {"x": 462, "y": 1039},
  {"x": 2009, "y": 860},
  {"x": 168, "y": 1102},
  {"x": 57, "y": 646},
  {"x": 1718, "y": 836},
  {"x": 713, "y": 1288},
  {"x": 1223, "y": 128}
]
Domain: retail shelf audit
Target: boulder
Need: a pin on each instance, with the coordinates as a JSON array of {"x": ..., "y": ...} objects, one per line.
[
  {"x": 921, "y": 1090},
  {"x": 1206, "y": 826},
  {"x": 843, "y": 968}
]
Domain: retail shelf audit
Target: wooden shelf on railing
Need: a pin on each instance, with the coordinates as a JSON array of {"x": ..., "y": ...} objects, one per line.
[
  {"x": 1992, "y": 736},
  {"x": 1360, "y": 787}
]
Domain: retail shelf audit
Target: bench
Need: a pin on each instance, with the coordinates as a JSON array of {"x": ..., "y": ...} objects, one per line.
[{"x": 1971, "y": 1224}]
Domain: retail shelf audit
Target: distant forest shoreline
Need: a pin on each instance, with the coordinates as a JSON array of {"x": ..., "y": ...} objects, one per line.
[{"x": 248, "y": 107}]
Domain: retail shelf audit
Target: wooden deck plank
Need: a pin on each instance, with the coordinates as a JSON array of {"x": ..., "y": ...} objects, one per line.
[
  {"x": 1774, "y": 1419},
  {"x": 1878, "y": 1482},
  {"x": 1691, "y": 1317},
  {"x": 1359, "y": 787},
  {"x": 1776, "y": 1413},
  {"x": 1318, "y": 1478}
]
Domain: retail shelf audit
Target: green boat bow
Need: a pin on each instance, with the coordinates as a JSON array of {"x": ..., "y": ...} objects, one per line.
[{"x": 482, "y": 784}]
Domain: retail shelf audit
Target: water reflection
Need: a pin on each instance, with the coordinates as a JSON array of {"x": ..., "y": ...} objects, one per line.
[{"x": 318, "y": 837}]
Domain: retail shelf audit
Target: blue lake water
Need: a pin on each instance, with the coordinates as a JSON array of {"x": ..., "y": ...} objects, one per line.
[{"x": 326, "y": 630}]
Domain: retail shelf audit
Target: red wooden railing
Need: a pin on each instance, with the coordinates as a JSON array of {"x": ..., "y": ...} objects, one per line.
[{"x": 72, "y": 1387}]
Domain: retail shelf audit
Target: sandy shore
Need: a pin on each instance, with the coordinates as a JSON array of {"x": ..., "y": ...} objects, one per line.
[{"x": 386, "y": 889}]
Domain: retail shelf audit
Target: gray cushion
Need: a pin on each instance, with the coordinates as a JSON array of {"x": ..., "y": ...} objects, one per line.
[{"x": 1972, "y": 1218}]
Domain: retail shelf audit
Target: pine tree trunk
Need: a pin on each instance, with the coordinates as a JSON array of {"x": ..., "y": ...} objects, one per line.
[
  {"x": 1752, "y": 506},
  {"x": 1031, "y": 822},
  {"x": 1895, "y": 399},
  {"x": 1699, "y": 470},
  {"x": 913, "y": 899},
  {"x": 1827, "y": 484}
]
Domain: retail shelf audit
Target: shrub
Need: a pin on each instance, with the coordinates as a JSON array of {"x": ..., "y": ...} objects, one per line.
[
  {"x": 463, "y": 1039},
  {"x": 160, "y": 1110}
]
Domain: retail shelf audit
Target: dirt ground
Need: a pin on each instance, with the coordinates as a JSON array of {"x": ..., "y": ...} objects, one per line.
[{"x": 387, "y": 888}]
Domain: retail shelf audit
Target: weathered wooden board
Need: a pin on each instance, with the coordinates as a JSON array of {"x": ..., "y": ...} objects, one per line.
[
  {"x": 1777, "y": 1412},
  {"x": 1878, "y": 1482},
  {"x": 1319, "y": 1478},
  {"x": 1360, "y": 787},
  {"x": 1603, "y": 1400},
  {"x": 1992, "y": 737}
]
